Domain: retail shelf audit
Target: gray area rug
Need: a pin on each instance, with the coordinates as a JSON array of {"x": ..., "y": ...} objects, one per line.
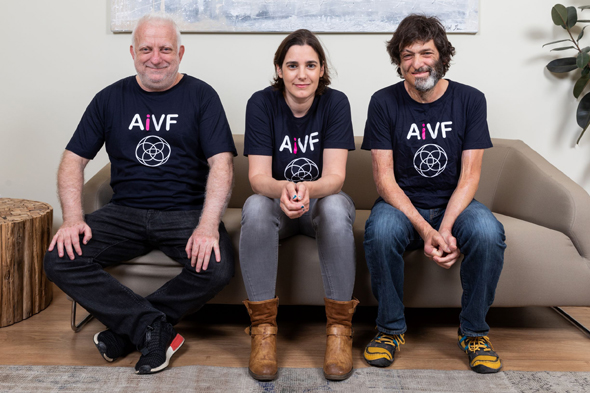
[{"x": 291, "y": 380}]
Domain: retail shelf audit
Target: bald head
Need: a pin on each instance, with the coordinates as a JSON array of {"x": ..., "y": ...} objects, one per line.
[{"x": 156, "y": 18}]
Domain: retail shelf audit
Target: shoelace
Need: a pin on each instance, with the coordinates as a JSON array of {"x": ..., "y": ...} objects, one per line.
[
  {"x": 395, "y": 340},
  {"x": 151, "y": 340},
  {"x": 479, "y": 343}
]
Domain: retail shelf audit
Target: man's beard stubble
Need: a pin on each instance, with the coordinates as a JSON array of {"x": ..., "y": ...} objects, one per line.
[{"x": 424, "y": 85}]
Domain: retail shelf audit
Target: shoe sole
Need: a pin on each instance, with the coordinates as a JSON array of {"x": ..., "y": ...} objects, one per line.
[
  {"x": 172, "y": 348},
  {"x": 338, "y": 377},
  {"x": 260, "y": 377},
  {"x": 102, "y": 348}
]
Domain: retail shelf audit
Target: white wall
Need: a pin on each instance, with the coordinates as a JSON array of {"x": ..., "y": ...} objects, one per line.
[{"x": 57, "y": 55}]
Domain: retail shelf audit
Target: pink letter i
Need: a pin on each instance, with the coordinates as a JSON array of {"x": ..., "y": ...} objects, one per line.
[
  {"x": 295, "y": 139},
  {"x": 147, "y": 123},
  {"x": 423, "y": 132}
]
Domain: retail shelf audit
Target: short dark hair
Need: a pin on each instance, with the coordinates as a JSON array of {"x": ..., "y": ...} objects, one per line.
[
  {"x": 420, "y": 28},
  {"x": 301, "y": 37}
]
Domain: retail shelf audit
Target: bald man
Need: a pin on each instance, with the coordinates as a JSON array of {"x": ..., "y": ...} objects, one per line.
[{"x": 171, "y": 153}]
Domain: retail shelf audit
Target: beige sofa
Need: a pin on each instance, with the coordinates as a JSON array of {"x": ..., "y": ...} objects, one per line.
[{"x": 545, "y": 214}]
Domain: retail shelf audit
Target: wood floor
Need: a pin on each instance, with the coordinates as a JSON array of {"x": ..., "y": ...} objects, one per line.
[{"x": 527, "y": 339}]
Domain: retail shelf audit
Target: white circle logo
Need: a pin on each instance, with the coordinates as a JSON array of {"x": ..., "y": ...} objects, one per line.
[
  {"x": 301, "y": 169},
  {"x": 430, "y": 160},
  {"x": 152, "y": 151}
]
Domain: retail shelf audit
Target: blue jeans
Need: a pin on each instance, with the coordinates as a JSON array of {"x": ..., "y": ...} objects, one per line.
[
  {"x": 122, "y": 233},
  {"x": 329, "y": 220},
  {"x": 480, "y": 237}
]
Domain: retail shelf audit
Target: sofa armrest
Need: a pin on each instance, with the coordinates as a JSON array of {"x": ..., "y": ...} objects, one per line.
[
  {"x": 97, "y": 191},
  {"x": 531, "y": 189}
]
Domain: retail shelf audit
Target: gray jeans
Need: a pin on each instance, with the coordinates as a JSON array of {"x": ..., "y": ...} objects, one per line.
[{"x": 330, "y": 223}]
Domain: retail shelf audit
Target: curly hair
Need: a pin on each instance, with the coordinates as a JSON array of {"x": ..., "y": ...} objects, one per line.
[
  {"x": 420, "y": 28},
  {"x": 301, "y": 37}
]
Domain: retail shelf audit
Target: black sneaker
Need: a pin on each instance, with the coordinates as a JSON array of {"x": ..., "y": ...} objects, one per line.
[
  {"x": 379, "y": 352},
  {"x": 482, "y": 358},
  {"x": 161, "y": 342},
  {"x": 112, "y": 345}
]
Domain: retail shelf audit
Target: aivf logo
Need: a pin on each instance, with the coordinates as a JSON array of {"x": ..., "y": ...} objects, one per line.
[
  {"x": 136, "y": 122},
  {"x": 302, "y": 146},
  {"x": 444, "y": 128}
]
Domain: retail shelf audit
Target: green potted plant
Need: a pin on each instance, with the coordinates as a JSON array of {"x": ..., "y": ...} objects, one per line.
[{"x": 567, "y": 18}]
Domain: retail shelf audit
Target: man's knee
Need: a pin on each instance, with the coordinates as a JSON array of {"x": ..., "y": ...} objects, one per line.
[
  {"x": 386, "y": 225},
  {"x": 481, "y": 227}
]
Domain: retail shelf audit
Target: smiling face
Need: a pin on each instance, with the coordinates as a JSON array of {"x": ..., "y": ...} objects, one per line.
[
  {"x": 301, "y": 72},
  {"x": 420, "y": 66},
  {"x": 156, "y": 56}
]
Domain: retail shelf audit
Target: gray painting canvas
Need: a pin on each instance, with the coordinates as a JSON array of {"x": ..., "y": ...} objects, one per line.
[{"x": 268, "y": 16}]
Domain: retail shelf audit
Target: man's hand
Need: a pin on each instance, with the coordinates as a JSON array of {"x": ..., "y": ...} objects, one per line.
[
  {"x": 68, "y": 235},
  {"x": 290, "y": 201},
  {"x": 434, "y": 244},
  {"x": 448, "y": 259},
  {"x": 199, "y": 245}
]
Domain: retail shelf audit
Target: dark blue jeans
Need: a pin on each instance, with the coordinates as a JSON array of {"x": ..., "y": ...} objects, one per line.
[
  {"x": 480, "y": 237},
  {"x": 122, "y": 233}
]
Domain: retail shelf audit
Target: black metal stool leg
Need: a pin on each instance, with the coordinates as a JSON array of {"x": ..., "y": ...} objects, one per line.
[
  {"x": 77, "y": 327},
  {"x": 572, "y": 320}
]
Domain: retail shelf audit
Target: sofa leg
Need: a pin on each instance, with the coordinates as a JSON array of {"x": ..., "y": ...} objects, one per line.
[
  {"x": 572, "y": 320},
  {"x": 77, "y": 327}
]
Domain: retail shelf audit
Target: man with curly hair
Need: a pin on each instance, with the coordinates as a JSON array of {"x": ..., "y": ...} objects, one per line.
[{"x": 427, "y": 136}]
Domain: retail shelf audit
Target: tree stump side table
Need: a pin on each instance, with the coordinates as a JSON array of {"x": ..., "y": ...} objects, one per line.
[{"x": 25, "y": 232}]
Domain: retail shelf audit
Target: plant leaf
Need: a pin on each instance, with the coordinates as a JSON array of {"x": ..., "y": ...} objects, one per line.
[
  {"x": 585, "y": 71},
  {"x": 582, "y": 60},
  {"x": 563, "y": 48},
  {"x": 583, "y": 112},
  {"x": 555, "y": 42},
  {"x": 581, "y": 34},
  {"x": 559, "y": 15},
  {"x": 580, "y": 84},
  {"x": 572, "y": 16},
  {"x": 586, "y": 49},
  {"x": 566, "y": 64}
]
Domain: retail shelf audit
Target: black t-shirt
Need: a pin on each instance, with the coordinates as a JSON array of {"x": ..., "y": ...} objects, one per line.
[
  {"x": 297, "y": 144},
  {"x": 158, "y": 142},
  {"x": 427, "y": 139}
]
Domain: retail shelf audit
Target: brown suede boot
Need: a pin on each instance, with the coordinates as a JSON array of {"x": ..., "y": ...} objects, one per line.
[
  {"x": 338, "y": 359},
  {"x": 263, "y": 330}
]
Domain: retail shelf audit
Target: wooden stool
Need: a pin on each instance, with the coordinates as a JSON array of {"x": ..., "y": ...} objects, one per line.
[{"x": 25, "y": 232}]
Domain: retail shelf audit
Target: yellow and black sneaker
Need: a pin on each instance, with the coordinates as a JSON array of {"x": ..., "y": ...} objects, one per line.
[
  {"x": 482, "y": 358},
  {"x": 379, "y": 352}
]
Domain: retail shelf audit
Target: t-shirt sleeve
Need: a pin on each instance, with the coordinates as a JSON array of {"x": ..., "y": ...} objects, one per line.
[
  {"x": 258, "y": 133},
  {"x": 377, "y": 128},
  {"x": 214, "y": 133},
  {"x": 90, "y": 134},
  {"x": 477, "y": 133},
  {"x": 338, "y": 133}
]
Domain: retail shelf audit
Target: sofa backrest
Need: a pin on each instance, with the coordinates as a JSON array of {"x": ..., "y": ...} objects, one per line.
[{"x": 359, "y": 184}]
